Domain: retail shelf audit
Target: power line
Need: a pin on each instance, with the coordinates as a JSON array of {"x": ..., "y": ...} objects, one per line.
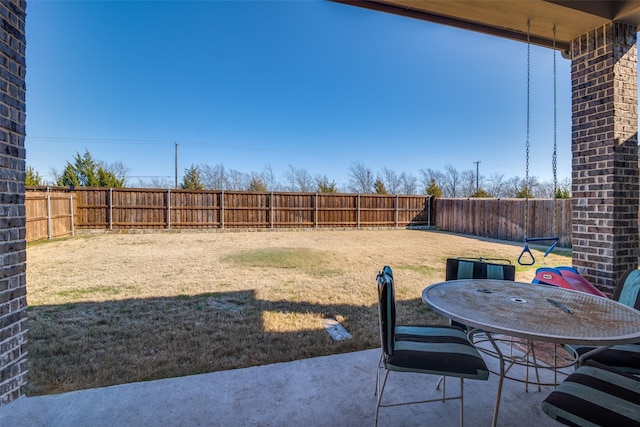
[{"x": 264, "y": 147}]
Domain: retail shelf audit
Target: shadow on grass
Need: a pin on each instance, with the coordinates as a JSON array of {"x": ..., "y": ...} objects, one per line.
[{"x": 86, "y": 345}]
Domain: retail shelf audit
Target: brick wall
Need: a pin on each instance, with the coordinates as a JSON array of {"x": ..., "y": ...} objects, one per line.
[
  {"x": 605, "y": 153},
  {"x": 13, "y": 303}
]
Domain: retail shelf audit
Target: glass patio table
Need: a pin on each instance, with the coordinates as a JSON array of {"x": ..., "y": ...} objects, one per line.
[{"x": 534, "y": 313}]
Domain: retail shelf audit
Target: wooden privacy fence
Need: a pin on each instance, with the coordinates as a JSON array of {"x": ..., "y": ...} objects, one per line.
[
  {"x": 504, "y": 219},
  {"x": 173, "y": 209},
  {"x": 49, "y": 214}
]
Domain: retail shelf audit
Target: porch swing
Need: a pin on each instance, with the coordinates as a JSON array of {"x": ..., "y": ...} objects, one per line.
[{"x": 526, "y": 256}]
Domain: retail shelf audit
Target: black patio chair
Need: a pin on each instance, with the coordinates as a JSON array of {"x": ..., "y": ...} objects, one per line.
[
  {"x": 479, "y": 268},
  {"x": 596, "y": 395},
  {"x": 436, "y": 350}
]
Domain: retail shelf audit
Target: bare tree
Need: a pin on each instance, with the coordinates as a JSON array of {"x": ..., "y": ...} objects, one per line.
[
  {"x": 545, "y": 190},
  {"x": 269, "y": 179},
  {"x": 360, "y": 178},
  {"x": 289, "y": 178},
  {"x": 298, "y": 179},
  {"x": 533, "y": 185},
  {"x": 513, "y": 186},
  {"x": 391, "y": 180},
  {"x": 305, "y": 181},
  {"x": 496, "y": 185},
  {"x": 237, "y": 180},
  {"x": 409, "y": 183},
  {"x": 214, "y": 178},
  {"x": 156, "y": 182},
  {"x": 468, "y": 183},
  {"x": 451, "y": 182},
  {"x": 119, "y": 170}
]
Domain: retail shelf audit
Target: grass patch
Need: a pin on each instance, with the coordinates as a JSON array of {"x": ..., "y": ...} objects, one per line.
[
  {"x": 37, "y": 243},
  {"x": 87, "y": 292},
  {"x": 420, "y": 269},
  {"x": 312, "y": 262}
]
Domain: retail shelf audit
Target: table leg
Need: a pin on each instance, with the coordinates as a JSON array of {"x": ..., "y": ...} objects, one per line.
[
  {"x": 531, "y": 348},
  {"x": 500, "y": 379}
]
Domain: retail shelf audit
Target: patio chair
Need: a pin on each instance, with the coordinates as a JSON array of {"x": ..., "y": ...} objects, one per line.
[
  {"x": 436, "y": 350},
  {"x": 479, "y": 268},
  {"x": 625, "y": 357},
  {"x": 595, "y": 395}
]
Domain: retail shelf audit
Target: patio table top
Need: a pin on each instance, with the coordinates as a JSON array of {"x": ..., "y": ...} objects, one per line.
[{"x": 528, "y": 311}]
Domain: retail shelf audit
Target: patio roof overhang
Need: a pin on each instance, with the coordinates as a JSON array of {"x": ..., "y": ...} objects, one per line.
[{"x": 508, "y": 18}]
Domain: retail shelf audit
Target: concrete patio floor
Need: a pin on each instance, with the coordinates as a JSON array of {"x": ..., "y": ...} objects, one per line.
[{"x": 332, "y": 390}]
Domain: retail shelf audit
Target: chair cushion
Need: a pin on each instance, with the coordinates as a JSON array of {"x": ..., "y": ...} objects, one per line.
[
  {"x": 476, "y": 269},
  {"x": 439, "y": 350},
  {"x": 595, "y": 395},
  {"x": 386, "y": 308},
  {"x": 627, "y": 290},
  {"x": 625, "y": 357}
]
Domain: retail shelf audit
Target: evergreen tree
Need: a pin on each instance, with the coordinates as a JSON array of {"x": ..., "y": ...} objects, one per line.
[
  {"x": 433, "y": 189},
  {"x": 378, "y": 186},
  {"x": 32, "y": 177},
  {"x": 192, "y": 179},
  {"x": 481, "y": 193},
  {"x": 563, "y": 193},
  {"x": 323, "y": 185},
  {"x": 87, "y": 172},
  {"x": 257, "y": 184},
  {"x": 524, "y": 192}
]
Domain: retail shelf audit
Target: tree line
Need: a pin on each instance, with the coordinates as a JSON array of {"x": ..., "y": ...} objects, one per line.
[{"x": 84, "y": 170}]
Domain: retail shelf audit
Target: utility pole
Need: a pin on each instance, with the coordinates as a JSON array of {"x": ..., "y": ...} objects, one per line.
[
  {"x": 176, "y": 166},
  {"x": 176, "y": 171},
  {"x": 477, "y": 176}
]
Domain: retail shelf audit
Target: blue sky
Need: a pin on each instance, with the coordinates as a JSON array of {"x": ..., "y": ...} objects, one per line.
[{"x": 313, "y": 84}]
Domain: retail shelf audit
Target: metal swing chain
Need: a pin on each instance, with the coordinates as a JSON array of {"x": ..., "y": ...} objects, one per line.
[
  {"x": 526, "y": 176},
  {"x": 554, "y": 161},
  {"x": 555, "y": 239}
]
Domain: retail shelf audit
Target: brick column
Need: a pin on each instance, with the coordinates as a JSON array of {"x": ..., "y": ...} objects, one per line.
[
  {"x": 13, "y": 302},
  {"x": 605, "y": 184}
]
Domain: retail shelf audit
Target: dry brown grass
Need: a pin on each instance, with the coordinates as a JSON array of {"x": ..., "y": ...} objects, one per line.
[{"x": 111, "y": 309}]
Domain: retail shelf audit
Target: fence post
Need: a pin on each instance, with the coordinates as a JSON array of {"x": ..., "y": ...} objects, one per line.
[
  {"x": 110, "y": 208},
  {"x": 315, "y": 216},
  {"x": 397, "y": 212},
  {"x": 358, "y": 213},
  {"x": 271, "y": 210},
  {"x": 48, "y": 214},
  {"x": 168, "y": 209},
  {"x": 222, "y": 209},
  {"x": 73, "y": 229}
]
